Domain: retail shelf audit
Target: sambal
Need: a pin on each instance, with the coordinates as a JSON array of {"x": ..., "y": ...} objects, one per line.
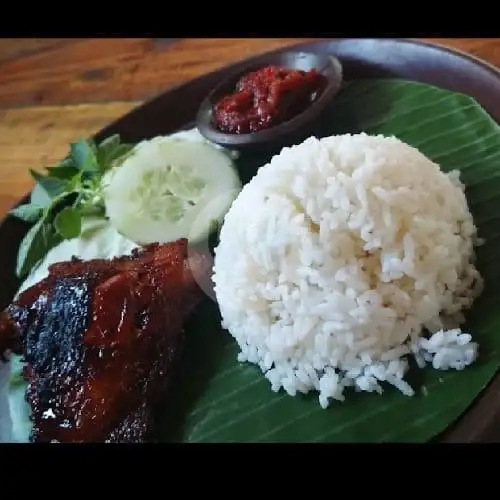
[{"x": 267, "y": 97}]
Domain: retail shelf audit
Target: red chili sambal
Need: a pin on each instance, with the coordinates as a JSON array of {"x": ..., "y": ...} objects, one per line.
[{"x": 267, "y": 97}]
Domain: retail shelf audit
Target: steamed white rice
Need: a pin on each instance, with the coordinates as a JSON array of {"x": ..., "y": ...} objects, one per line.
[{"x": 338, "y": 257}]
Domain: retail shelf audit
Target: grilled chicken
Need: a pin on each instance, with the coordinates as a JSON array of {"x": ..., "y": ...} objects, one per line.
[{"x": 100, "y": 339}]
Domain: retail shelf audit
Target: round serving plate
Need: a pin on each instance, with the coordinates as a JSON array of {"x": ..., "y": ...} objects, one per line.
[{"x": 361, "y": 58}]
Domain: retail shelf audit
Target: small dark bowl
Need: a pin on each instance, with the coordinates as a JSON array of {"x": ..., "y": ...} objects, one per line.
[{"x": 285, "y": 133}]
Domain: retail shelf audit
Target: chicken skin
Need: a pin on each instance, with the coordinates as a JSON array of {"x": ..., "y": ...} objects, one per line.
[{"x": 100, "y": 339}]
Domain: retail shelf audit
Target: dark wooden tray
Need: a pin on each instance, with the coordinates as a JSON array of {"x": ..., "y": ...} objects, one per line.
[{"x": 361, "y": 58}]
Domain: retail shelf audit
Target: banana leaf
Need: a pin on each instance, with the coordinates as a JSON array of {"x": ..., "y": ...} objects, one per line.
[{"x": 218, "y": 399}]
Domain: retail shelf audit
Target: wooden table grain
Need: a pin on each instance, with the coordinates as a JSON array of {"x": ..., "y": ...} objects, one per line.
[{"x": 54, "y": 91}]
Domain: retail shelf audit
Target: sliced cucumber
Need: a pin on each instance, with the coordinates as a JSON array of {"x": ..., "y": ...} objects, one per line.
[{"x": 169, "y": 189}]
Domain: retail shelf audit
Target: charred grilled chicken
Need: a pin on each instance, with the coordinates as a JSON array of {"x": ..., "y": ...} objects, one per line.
[{"x": 99, "y": 339}]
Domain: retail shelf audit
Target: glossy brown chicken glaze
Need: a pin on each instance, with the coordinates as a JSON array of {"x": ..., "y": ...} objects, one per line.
[{"x": 100, "y": 339}]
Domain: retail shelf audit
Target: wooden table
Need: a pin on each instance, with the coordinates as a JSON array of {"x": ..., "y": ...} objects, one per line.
[{"x": 53, "y": 91}]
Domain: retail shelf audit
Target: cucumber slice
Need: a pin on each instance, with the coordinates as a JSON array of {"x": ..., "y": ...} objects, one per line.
[{"x": 169, "y": 189}]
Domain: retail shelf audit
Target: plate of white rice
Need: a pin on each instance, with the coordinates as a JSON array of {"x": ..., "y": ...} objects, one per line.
[{"x": 356, "y": 247}]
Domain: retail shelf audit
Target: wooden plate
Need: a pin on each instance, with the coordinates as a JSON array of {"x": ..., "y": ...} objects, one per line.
[{"x": 361, "y": 58}]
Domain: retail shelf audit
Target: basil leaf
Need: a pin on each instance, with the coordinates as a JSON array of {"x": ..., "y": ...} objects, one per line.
[
  {"x": 52, "y": 185},
  {"x": 67, "y": 162},
  {"x": 42, "y": 237},
  {"x": 63, "y": 173},
  {"x": 34, "y": 246},
  {"x": 108, "y": 145},
  {"x": 84, "y": 157},
  {"x": 51, "y": 238},
  {"x": 27, "y": 212},
  {"x": 75, "y": 183},
  {"x": 89, "y": 210},
  {"x": 40, "y": 197},
  {"x": 61, "y": 197},
  {"x": 121, "y": 152},
  {"x": 111, "y": 150},
  {"x": 68, "y": 223}
]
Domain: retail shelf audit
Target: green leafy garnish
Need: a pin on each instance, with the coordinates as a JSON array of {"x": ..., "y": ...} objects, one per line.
[
  {"x": 51, "y": 185},
  {"x": 39, "y": 196},
  {"x": 62, "y": 172},
  {"x": 68, "y": 223},
  {"x": 63, "y": 195},
  {"x": 35, "y": 245},
  {"x": 84, "y": 157},
  {"x": 28, "y": 213}
]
